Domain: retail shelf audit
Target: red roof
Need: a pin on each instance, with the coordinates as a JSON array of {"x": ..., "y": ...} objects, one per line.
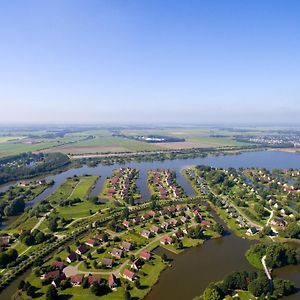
[
  {"x": 127, "y": 273},
  {"x": 92, "y": 279},
  {"x": 146, "y": 255},
  {"x": 77, "y": 279}
]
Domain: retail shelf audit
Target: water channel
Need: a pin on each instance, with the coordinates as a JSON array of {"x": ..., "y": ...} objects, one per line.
[{"x": 192, "y": 270}]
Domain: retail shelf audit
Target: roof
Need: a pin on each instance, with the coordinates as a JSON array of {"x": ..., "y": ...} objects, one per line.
[
  {"x": 57, "y": 264},
  {"x": 92, "y": 279},
  {"x": 127, "y": 273},
  {"x": 107, "y": 261},
  {"x": 145, "y": 255},
  {"x": 72, "y": 256},
  {"x": 77, "y": 279},
  {"x": 116, "y": 252},
  {"x": 112, "y": 279}
]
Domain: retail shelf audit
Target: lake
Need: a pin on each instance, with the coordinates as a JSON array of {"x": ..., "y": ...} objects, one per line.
[{"x": 192, "y": 270}]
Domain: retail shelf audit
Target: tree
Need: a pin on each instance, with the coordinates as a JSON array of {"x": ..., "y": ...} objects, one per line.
[
  {"x": 212, "y": 293},
  {"x": 53, "y": 224},
  {"x": 51, "y": 293},
  {"x": 292, "y": 229},
  {"x": 85, "y": 283},
  {"x": 127, "y": 295},
  {"x": 259, "y": 286},
  {"x": 219, "y": 228},
  {"x": 96, "y": 289}
]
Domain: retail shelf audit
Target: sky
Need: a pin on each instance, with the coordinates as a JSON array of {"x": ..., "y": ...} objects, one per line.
[{"x": 204, "y": 61}]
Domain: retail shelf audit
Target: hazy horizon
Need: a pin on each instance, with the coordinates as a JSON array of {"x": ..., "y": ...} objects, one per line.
[{"x": 138, "y": 62}]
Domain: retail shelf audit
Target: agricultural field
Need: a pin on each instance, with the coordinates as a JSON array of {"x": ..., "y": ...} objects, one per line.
[{"x": 81, "y": 140}]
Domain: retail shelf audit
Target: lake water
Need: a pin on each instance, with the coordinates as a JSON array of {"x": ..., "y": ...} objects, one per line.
[{"x": 192, "y": 270}]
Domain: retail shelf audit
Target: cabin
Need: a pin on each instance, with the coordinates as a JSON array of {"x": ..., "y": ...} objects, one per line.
[
  {"x": 112, "y": 281},
  {"x": 136, "y": 264},
  {"x": 146, "y": 234},
  {"x": 92, "y": 279},
  {"x": 76, "y": 280},
  {"x": 59, "y": 265},
  {"x": 166, "y": 240},
  {"x": 91, "y": 243},
  {"x": 126, "y": 223},
  {"x": 71, "y": 257},
  {"x": 251, "y": 231},
  {"x": 107, "y": 262},
  {"x": 126, "y": 246},
  {"x": 145, "y": 255},
  {"x": 127, "y": 274},
  {"x": 154, "y": 229},
  {"x": 81, "y": 250},
  {"x": 117, "y": 253}
]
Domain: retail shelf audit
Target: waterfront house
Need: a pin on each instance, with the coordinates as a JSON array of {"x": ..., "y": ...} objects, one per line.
[
  {"x": 127, "y": 274},
  {"x": 145, "y": 255},
  {"x": 136, "y": 264}
]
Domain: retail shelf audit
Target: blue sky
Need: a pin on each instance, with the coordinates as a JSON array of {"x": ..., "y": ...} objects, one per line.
[{"x": 149, "y": 61}]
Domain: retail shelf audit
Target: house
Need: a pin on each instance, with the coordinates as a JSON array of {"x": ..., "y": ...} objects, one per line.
[
  {"x": 171, "y": 209},
  {"x": 76, "y": 280},
  {"x": 126, "y": 223},
  {"x": 205, "y": 223},
  {"x": 173, "y": 222},
  {"x": 117, "y": 253},
  {"x": 178, "y": 208},
  {"x": 59, "y": 265},
  {"x": 100, "y": 237},
  {"x": 127, "y": 274},
  {"x": 57, "y": 274},
  {"x": 91, "y": 243},
  {"x": 81, "y": 249},
  {"x": 136, "y": 264},
  {"x": 146, "y": 234},
  {"x": 107, "y": 262},
  {"x": 154, "y": 229},
  {"x": 126, "y": 246},
  {"x": 5, "y": 240},
  {"x": 164, "y": 225},
  {"x": 112, "y": 281},
  {"x": 166, "y": 240},
  {"x": 178, "y": 234},
  {"x": 92, "y": 279},
  {"x": 146, "y": 217},
  {"x": 183, "y": 220},
  {"x": 163, "y": 212},
  {"x": 145, "y": 255},
  {"x": 152, "y": 213},
  {"x": 251, "y": 231},
  {"x": 136, "y": 220},
  {"x": 71, "y": 257}
]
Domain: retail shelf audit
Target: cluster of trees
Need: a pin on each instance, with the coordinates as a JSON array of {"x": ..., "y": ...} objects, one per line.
[
  {"x": 196, "y": 232},
  {"x": 278, "y": 255},
  {"x": 70, "y": 202},
  {"x": 7, "y": 257},
  {"x": 34, "y": 237},
  {"x": 292, "y": 230},
  {"x": 256, "y": 283},
  {"x": 17, "y": 167},
  {"x": 28, "y": 288},
  {"x": 14, "y": 207}
]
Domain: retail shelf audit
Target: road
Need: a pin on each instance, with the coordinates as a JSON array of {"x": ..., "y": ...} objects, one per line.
[{"x": 263, "y": 261}]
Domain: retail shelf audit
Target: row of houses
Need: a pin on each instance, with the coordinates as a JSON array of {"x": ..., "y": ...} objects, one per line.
[
  {"x": 120, "y": 183},
  {"x": 165, "y": 185},
  {"x": 57, "y": 276}
]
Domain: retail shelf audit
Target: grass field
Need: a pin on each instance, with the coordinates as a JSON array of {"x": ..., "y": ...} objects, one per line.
[{"x": 80, "y": 189}]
